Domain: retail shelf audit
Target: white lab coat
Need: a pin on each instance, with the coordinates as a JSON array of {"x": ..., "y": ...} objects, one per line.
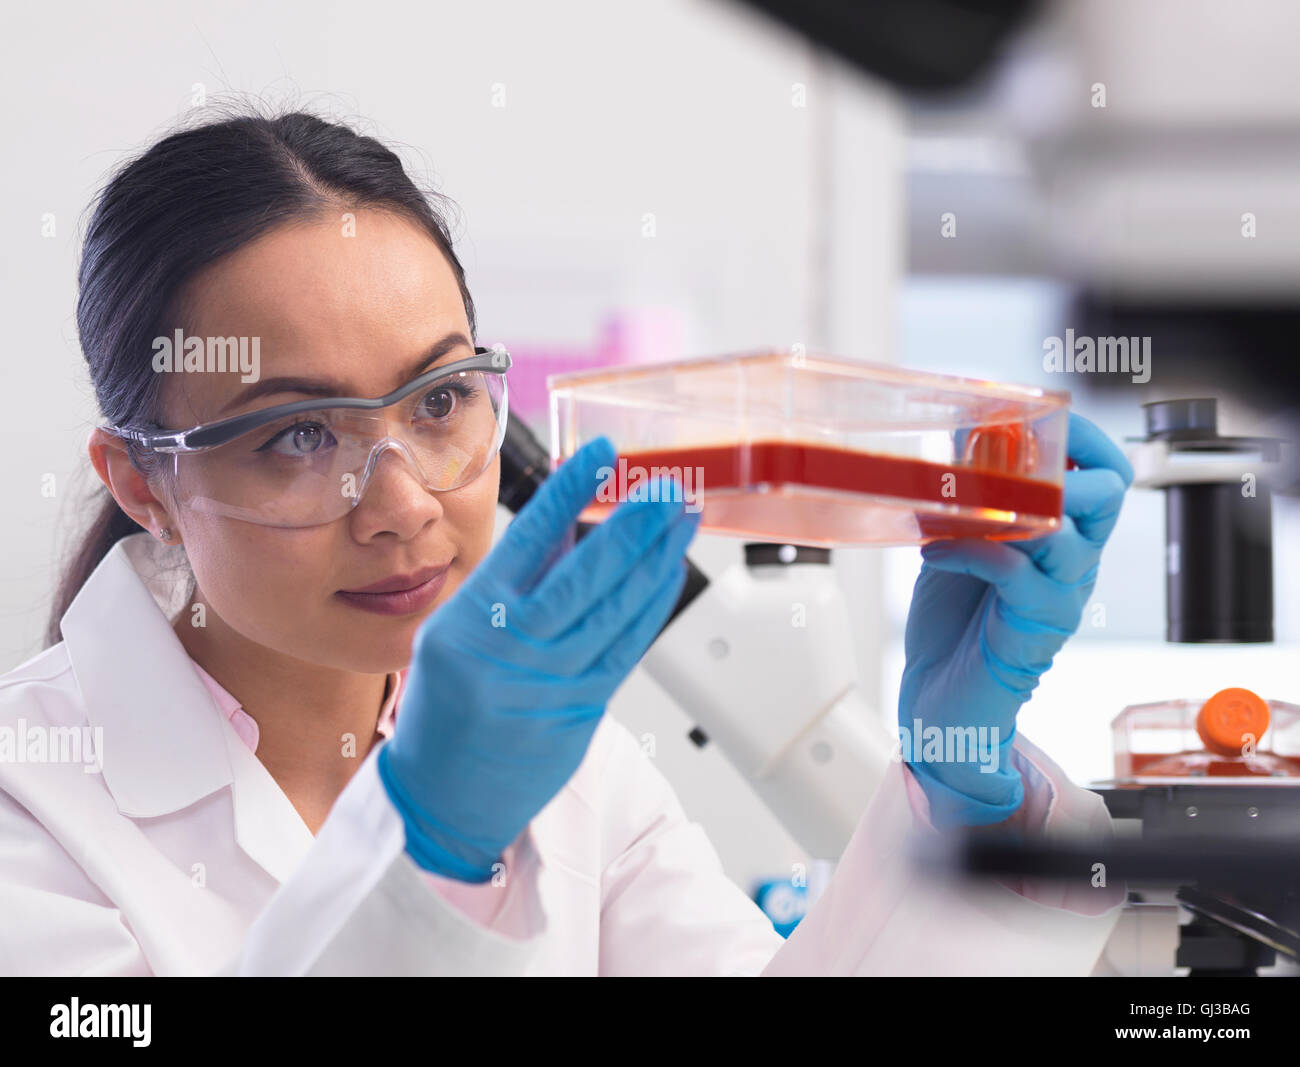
[{"x": 184, "y": 857}]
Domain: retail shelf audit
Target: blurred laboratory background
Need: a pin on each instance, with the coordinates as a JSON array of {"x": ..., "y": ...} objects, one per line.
[{"x": 668, "y": 178}]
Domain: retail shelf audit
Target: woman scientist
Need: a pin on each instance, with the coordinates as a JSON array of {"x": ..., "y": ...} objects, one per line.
[{"x": 258, "y": 804}]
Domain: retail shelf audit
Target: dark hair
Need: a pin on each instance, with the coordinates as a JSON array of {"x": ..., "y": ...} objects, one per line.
[{"x": 193, "y": 197}]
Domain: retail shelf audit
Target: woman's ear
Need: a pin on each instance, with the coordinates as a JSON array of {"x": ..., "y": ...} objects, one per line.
[{"x": 109, "y": 457}]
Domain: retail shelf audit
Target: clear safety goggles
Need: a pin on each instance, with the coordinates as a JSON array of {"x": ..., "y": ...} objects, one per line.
[{"x": 309, "y": 462}]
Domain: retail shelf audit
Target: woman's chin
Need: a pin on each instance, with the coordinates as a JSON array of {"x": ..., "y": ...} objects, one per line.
[{"x": 371, "y": 653}]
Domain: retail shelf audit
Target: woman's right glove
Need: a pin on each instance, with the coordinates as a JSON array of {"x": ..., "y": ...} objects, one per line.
[
  {"x": 509, "y": 678},
  {"x": 987, "y": 617}
]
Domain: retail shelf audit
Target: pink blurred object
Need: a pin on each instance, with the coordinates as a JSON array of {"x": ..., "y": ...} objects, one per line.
[{"x": 643, "y": 335}]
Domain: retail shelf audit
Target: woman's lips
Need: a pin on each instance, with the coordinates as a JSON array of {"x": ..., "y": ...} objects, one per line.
[{"x": 399, "y": 595}]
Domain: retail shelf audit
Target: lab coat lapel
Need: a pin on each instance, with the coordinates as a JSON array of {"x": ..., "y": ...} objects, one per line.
[
  {"x": 162, "y": 737},
  {"x": 166, "y": 744},
  {"x": 267, "y": 825}
]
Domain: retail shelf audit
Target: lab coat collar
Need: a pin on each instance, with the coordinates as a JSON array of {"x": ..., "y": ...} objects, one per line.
[{"x": 163, "y": 739}]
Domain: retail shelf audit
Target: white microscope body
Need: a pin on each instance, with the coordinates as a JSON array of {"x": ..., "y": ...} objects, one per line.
[{"x": 762, "y": 660}]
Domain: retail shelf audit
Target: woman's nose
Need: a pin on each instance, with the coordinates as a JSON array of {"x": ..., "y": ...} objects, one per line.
[{"x": 394, "y": 495}]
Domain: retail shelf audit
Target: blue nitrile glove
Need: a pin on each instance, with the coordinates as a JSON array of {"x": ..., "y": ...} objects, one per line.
[
  {"x": 509, "y": 678},
  {"x": 985, "y": 621}
]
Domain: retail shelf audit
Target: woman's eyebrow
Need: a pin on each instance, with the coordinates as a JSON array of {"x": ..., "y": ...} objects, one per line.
[{"x": 328, "y": 387}]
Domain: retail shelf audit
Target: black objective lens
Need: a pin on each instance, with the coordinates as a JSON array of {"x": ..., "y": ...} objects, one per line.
[
  {"x": 1218, "y": 536},
  {"x": 1219, "y": 585}
]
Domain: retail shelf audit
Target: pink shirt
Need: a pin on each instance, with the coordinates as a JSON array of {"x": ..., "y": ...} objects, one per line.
[{"x": 481, "y": 902}]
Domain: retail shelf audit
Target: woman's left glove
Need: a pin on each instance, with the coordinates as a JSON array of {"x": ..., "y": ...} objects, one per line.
[{"x": 985, "y": 621}]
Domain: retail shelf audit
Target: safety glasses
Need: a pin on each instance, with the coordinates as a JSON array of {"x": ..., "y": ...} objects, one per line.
[{"x": 310, "y": 462}]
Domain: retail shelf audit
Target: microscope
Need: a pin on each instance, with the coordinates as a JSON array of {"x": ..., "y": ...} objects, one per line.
[{"x": 1212, "y": 787}]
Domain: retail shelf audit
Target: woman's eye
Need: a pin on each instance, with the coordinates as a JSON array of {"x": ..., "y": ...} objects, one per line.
[
  {"x": 439, "y": 403},
  {"x": 442, "y": 401},
  {"x": 300, "y": 439}
]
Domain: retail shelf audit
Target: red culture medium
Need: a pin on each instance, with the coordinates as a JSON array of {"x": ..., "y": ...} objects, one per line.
[
  {"x": 1192, "y": 763},
  {"x": 793, "y": 464}
]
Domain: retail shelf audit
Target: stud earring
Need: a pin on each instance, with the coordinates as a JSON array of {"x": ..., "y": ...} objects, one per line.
[{"x": 165, "y": 534}]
